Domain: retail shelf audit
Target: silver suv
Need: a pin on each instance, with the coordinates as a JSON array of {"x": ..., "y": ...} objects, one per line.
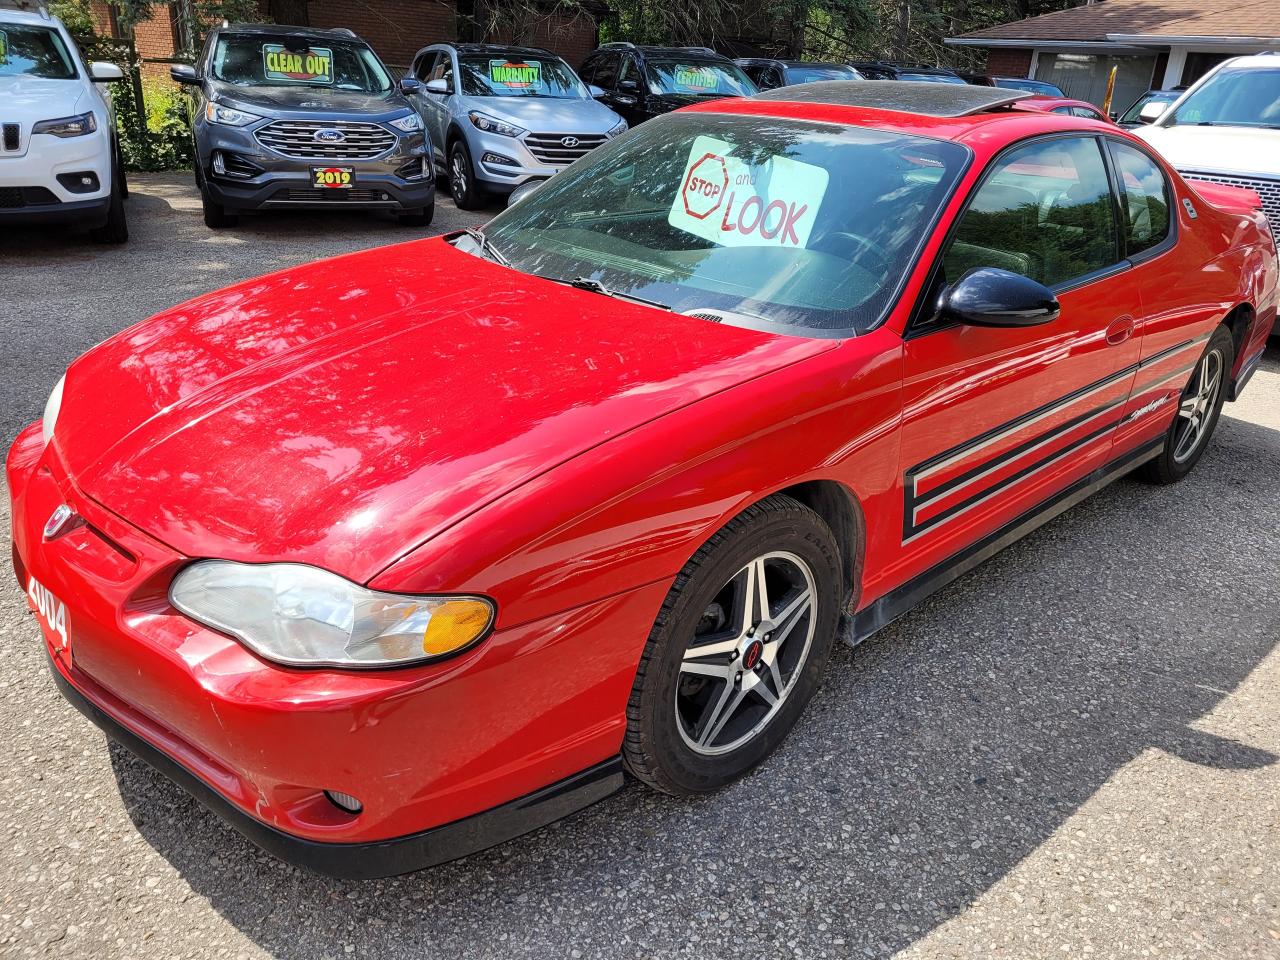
[{"x": 499, "y": 117}]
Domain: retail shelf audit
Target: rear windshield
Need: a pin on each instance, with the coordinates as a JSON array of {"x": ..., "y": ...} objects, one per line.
[
  {"x": 810, "y": 74},
  {"x": 27, "y": 51},
  {"x": 930, "y": 77},
  {"x": 755, "y": 216},
  {"x": 1233, "y": 98},
  {"x": 696, "y": 78},
  {"x": 492, "y": 75},
  {"x": 262, "y": 60}
]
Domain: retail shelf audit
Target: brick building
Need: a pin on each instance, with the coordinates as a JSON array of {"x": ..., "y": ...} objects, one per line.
[
  {"x": 1151, "y": 43},
  {"x": 396, "y": 29}
]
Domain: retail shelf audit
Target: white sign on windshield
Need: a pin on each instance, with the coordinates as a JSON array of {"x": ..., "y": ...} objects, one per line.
[{"x": 735, "y": 202}]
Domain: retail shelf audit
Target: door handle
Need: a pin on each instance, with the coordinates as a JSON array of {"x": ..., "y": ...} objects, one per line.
[{"x": 1119, "y": 330}]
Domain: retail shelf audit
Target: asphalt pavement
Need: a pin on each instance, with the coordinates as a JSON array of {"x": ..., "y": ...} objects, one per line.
[{"x": 1071, "y": 752}]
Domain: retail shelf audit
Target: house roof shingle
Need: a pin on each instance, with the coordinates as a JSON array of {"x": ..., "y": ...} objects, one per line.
[{"x": 1095, "y": 22}]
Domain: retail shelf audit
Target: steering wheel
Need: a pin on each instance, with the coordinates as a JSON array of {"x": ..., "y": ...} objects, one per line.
[{"x": 855, "y": 248}]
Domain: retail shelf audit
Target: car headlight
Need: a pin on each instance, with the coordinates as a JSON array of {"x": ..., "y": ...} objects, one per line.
[
  {"x": 77, "y": 126},
  {"x": 408, "y": 123},
  {"x": 489, "y": 124},
  {"x": 619, "y": 129},
  {"x": 217, "y": 113},
  {"x": 307, "y": 617},
  {"x": 51, "y": 408}
]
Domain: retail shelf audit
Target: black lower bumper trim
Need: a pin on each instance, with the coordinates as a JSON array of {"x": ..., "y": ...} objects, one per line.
[{"x": 378, "y": 858}]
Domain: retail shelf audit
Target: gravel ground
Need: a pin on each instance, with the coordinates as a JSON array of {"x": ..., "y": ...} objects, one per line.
[{"x": 1070, "y": 752}]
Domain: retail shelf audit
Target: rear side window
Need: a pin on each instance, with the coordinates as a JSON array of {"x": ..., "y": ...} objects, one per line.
[
  {"x": 1045, "y": 211},
  {"x": 1144, "y": 198}
]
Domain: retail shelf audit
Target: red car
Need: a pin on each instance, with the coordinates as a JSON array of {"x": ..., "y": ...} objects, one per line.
[
  {"x": 395, "y": 556},
  {"x": 1065, "y": 106}
]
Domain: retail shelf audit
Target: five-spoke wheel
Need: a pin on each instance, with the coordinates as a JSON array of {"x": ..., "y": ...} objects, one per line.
[{"x": 1198, "y": 410}]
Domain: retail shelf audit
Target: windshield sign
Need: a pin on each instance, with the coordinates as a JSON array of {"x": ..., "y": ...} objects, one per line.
[
  {"x": 699, "y": 79},
  {"x": 515, "y": 75},
  {"x": 736, "y": 202},
  {"x": 4, "y": 48},
  {"x": 1233, "y": 98},
  {"x": 314, "y": 65},
  {"x": 756, "y": 217}
]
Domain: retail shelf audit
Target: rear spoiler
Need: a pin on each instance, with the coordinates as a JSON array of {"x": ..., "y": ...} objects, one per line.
[{"x": 1228, "y": 198}]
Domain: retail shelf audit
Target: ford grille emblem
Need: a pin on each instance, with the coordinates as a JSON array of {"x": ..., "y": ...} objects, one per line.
[
  {"x": 569, "y": 141},
  {"x": 329, "y": 135}
]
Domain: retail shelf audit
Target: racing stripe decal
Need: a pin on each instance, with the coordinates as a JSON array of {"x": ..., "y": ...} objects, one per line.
[{"x": 985, "y": 479}]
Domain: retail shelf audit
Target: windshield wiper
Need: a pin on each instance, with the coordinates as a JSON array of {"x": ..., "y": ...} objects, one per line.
[
  {"x": 595, "y": 286},
  {"x": 486, "y": 246}
]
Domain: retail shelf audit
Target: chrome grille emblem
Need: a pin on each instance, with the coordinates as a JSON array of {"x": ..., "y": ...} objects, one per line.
[
  {"x": 328, "y": 135},
  {"x": 569, "y": 141}
]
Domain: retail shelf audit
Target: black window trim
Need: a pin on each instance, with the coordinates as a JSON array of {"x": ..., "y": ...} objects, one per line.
[
  {"x": 1117, "y": 188},
  {"x": 923, "y": 312}
]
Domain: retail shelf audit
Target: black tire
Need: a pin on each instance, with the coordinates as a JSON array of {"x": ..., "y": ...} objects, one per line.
[
  {"x": 1175, "y": 460},
  {"x": 216, "y": 216},
  {"x": 463, "y": 187},
  {"x": 657, "y": 747},
  {"x": 417, "y": 218},
  {"x": 116, "y": 229},
  {"x": 124, "y": 180}
]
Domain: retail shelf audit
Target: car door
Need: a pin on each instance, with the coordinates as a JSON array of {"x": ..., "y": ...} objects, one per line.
[
  {"x": 437, "y": 65},
  {"x": 998, "y": 419}
]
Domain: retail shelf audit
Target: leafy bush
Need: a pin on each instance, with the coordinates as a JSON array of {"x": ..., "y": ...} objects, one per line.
[{"x": 167, "y": 145}]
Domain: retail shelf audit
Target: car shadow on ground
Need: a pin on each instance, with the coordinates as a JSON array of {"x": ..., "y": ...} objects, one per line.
[{"x": 935, "y": 758}]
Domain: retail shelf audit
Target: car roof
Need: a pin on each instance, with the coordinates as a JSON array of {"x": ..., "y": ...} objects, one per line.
[
  {"x": 754, "y": 61},
  {"x": 283, "y": 30},
  {"x": 34, "y": 18},
  {"x": 621, "y": 46},
  {"x": 928, "y": 99},
  {"x": 503, "y": 48},
  {"x": 1257, "y": 61}
]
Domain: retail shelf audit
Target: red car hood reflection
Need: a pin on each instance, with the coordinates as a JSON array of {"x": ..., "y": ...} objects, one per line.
[{"x": 338, "y": 414}]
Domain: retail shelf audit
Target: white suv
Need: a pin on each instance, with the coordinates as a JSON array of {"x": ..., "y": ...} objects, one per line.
[
  {"x": 1226, "y": 129},
  {"x": 59, "y": 159}
]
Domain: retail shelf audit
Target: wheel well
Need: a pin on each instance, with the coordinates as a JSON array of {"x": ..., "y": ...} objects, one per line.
[
  {"x": 834, "y": 503},
  {"x": 450, "y": 138},
  {"x": 1238, "y": 322}
]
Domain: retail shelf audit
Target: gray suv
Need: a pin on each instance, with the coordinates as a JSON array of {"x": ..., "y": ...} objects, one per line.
[
  {"x": 499, "y": 117},
  {"x": 288, "y": 117}
]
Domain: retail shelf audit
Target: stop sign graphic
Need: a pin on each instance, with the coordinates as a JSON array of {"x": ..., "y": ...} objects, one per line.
[{"x": 705, "y": 185}]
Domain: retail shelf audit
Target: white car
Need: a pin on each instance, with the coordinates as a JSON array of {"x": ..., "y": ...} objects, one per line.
[
  {"x": 1226, "y": 129},
  {"x": 59, "y": 158}
]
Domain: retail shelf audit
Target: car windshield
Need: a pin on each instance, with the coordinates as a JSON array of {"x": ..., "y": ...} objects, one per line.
[
  {"x": 1233, "y": 98},
  {"x": 34, "y": 52},
  {"x": 753, "y": 217},
  {"x": 1031, "y": 86},
  {"x": 930, "y": 77},
  {"x": 287, "y": 60},
  {"x": 808, "y": 74},
  {"x": 708, "y": 78},
  {"x": 1133, "y": 114},
  {"x": 494, "y": 75}
]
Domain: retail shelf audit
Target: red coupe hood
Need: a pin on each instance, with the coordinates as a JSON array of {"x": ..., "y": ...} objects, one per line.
[{"x": 340, "y": 413}]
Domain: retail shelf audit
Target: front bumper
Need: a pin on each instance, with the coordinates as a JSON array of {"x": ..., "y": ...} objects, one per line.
[
  {"x": 45, "y": 157},
  {"x": 271, "y": 180},
  {"x": 89, "y": 213},
  {"x": 519, "y": 165},
  {"x": 445, "y": 758}
]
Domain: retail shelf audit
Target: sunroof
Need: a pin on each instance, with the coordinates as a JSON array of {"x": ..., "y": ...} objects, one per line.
[{"x": 907, "y": 96}]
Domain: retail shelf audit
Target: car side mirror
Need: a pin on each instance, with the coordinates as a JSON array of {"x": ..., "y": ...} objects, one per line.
[
  {"x": 596, "y": 92},
  {"x": 410, "y": 85},
  {"x": 182, "y": 73},
  {"x": 991, "y": 297},
  {"x": 1151, "y": 112},
  {"x": 437, "y": 86},
  {"x": 100, "y": 72},
  {"x": 628, "y": 86}
]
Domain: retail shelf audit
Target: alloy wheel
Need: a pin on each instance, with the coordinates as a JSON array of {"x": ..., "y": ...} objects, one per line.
[
  {"x": 747, "y": 652},
  {"x": 458, "y": 171},
  {"x": 1195, "y": 410}
]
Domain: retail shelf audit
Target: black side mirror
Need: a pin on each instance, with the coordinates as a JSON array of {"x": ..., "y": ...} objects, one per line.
[
  {"x": 991, "y": 297},
  {"x": 629, "y": 86},
  {"x": 184, "y": 73},
  {"x": 410, "y": 85}
]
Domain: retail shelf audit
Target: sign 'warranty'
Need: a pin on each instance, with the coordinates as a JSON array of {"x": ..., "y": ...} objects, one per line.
[{"x": 772, "y": 201}]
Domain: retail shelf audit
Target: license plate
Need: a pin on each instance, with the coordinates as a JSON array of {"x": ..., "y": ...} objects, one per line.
[
  {"x": 332, "y": 178},
  {"x": 52, "y": 614}
]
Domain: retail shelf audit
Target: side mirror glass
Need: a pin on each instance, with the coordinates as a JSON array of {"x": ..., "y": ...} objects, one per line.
[
  {"x": 182, "y": 73},
  {"x": 1151, "y": 112},
  {"x": 410, "y": 85},
  {"x": 522, "y": 191},
  {"x": 100, "y": 72},
  {"x": 437, "y": 86},
  {"x": 628, "y": 86},
  {"x": 991, "y": 297}
]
